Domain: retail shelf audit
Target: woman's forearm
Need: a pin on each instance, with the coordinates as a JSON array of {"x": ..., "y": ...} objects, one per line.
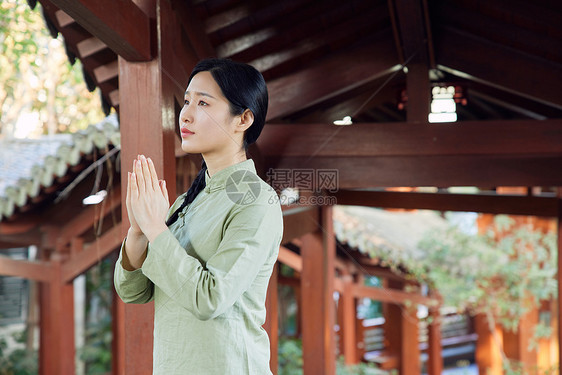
[{"x": 134, "y": 251}]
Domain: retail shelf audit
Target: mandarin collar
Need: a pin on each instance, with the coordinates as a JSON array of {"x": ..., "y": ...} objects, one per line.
[{"x": 219, "y": 179}]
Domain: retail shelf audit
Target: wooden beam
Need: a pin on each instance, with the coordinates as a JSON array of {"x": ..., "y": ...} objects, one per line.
[
  {"x": 413, "y": 26},
  {"x": 114, "y": 98},
  {"x": 502, "y": 137},
  {"x": 273, "y": 50},
  {"x": 92, "y": 254},
  {"x": 63, "y": 18},
  {"x": 8, "y": 228},
  {"x": 89, "y": 46},
  {"x": 391, "y": 295},
  {"x": 290, "y": 258},
  {"x": 194, "y": 29},
  {"x": 38, "y": 271},
  {"x": 499, "y": 27},
  {"x": 297, "y": 221},
  {"x": 106, "y": 72},
  {"x": 86, "y": 219},
  {"x": 73, "y": 34},
  {"x": 526, "y": 15},
  {"x": 121, "y": 25},
  {"x": 406, "y": 154},
  {"x": 178, "y": 56},
  {"x": 368, "y": 172},
  {"x": 504, "y": 104},
  {"x": 411, "y": 22},
  {"x": 459, "y": 53},
  {"x": 484, "y": 203},
  {"x": 379, "y": 271},
  {"x": 507, "y": 96},
  {"x": 346, "y": 70}
]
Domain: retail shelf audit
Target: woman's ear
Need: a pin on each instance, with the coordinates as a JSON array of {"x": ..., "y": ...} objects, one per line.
[{"x": 246, "y": 120}]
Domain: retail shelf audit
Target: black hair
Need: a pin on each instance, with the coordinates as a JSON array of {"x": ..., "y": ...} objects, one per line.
[{"x": 244, "y": 87}]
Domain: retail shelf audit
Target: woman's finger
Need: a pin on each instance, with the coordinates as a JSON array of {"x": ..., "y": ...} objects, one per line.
[
  {"x": 146, "y": 174},
  {"x": 164, "y": 190},
  {"x": 153, "y": 174},
  {"x": 134, "y": 186},
  {"x": 139, "y": 178},
  {"x": 128, "y": 196}
]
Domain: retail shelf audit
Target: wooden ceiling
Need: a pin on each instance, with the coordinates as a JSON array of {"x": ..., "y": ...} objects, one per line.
[{"x": 327, "y": 59}]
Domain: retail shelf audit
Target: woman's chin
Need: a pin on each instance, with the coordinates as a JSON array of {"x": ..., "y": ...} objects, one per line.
[{"x": 188, "y": 148}]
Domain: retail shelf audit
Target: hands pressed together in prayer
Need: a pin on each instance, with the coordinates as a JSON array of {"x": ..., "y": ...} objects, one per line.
[{"x": 147, "y": 200}]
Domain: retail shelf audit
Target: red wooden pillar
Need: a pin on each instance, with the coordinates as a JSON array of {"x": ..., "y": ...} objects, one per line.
[
  {"x": 435, "y": 359},
  {"x": 410, "y": 358},
  {"x": 516, "y": 344},
  {"x": 488, "y": 355},
  {"x": 317, "y": 287},
  {"x": 402, "y": 334},
  {"x": 118, "y": 329},
  {"x": 272, "y": 321},
  {"x": 56, "y": 348},
  {"x": 348, "y": 321},
  {"x": 359, "y": 328},
  {"x": 147, "y": 123}
]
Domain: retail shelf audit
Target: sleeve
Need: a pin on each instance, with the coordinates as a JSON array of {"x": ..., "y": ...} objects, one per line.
[
  {"x": 251, "y": 236},
  {"x": 131, "y": 286},
  {"x": 134, "y": 286}
]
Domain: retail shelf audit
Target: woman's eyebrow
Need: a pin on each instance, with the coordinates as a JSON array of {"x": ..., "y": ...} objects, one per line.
[{"x": 200, "y": 93}]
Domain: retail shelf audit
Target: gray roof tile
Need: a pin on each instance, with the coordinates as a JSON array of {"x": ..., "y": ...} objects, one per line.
[{"x": 26, "y": 165}]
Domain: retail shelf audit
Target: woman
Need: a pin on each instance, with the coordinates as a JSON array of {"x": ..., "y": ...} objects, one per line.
[{"x": 206, "y": 261}]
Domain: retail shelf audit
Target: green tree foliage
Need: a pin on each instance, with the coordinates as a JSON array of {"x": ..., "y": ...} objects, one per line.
[
  {"x": 505, "y": 278},
  {"x": 36, "y": 78},
  {"x": 18, "y": 361},
  {"x": 503, "y": 273}
]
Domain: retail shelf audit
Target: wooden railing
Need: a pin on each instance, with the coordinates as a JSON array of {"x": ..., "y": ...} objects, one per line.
[{"x": 458, "y": 340}]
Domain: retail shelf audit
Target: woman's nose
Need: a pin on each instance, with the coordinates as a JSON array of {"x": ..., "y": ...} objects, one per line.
[{"x": 186, "y": 115}]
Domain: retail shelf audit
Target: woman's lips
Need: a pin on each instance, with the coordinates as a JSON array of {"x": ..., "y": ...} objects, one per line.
[{"x": 185, "y": 132}]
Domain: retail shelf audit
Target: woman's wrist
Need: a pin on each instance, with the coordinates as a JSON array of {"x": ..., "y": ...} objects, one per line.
[
  {"x": 155, "y": 232},
  {"x": 135, "y": 233},
  {"x": 135, "y": 250}
]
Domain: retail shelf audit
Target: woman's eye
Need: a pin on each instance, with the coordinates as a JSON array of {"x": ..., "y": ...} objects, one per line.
[
  {"x": 201, "y": 102},
  {"x": 186, "y": 102}
]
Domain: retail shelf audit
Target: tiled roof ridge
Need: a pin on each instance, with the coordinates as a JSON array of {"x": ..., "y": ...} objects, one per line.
[
  {"x": 42, "y": 174},
  {"x": 367, "y": 229}
]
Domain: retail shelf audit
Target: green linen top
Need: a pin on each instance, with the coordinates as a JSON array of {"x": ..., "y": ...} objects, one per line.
[{"x": 208, "y": 276}]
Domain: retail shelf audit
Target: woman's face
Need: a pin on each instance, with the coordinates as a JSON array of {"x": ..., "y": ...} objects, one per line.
[{"x": 206, "y": 124}]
